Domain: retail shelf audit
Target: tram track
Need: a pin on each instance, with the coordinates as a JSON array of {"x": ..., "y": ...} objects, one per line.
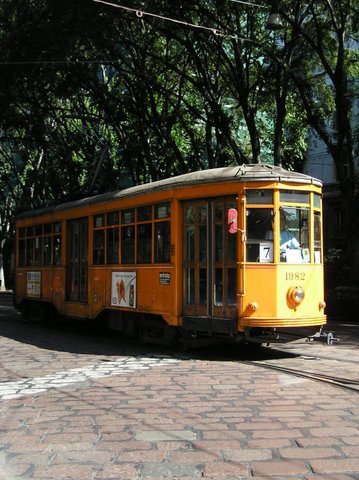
[
  {"x": 341, "y": 382},
  {"x": 292, "y": 365}
]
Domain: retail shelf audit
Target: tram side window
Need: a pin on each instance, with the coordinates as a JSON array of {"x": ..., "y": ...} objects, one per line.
[
  {"x": 112, "y": 246},
  {"x": 144, "y": 242},
  {"x": 259, "y": 232},
  {"x": 128, "y": 244},
  {"x": 128, "y": 236},
  {"x": 162, "y": 242},
  {"x": 47, "y": 244},
  {"x": 99, "y": 247},
  {"x": 22, "y": 257},
  {"x": 317, "y": 238},
  {"x": 56, "y": 244},
  {"x": 162, "y": 233},
  {"x": 134, "y": 235},
  {"x": 40, "y": 245}
]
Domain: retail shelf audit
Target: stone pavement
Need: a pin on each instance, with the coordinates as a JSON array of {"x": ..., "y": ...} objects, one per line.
[{"x": 81, "y": 404}]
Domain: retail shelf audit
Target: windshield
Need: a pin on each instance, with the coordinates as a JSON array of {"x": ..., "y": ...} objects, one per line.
[{"x": 294, "y": 235}]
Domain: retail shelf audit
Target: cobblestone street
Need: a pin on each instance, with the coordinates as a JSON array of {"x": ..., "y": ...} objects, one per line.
[{"x": 80, "y": 403}]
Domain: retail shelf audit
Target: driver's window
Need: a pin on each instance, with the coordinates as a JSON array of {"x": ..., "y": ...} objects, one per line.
[
  {"x": 259, "y": 232},
  {"x": 294, "y": 235}
]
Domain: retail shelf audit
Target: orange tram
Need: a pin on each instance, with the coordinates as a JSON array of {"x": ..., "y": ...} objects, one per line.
[{"x": 232, "y": 253}]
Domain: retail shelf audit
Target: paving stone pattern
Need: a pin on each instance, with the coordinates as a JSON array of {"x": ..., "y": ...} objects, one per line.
[{"x": 78, "y": 414}]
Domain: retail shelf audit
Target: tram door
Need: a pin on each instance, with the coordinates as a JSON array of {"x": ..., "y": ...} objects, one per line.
[
  {"x": 210, "y": 259},
  {"x": 77, "y": 239}
]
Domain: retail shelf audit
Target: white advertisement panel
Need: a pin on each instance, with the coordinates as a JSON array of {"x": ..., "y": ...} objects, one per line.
[
  {"x": 123, "y": 289},
  {"x": 33, "y": 284}
]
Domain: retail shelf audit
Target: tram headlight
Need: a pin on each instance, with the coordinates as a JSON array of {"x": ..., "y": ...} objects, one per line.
[{"x": 295, "y": 296}]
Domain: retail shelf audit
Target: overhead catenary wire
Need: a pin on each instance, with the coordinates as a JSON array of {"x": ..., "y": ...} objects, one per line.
[
  {"x": 250, "y": 4},
  {"x": 141, "y": 13}
]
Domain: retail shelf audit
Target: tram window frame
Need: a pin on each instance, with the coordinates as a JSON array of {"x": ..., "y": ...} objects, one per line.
[
  {"x": 105, "y": 239},
  {"x": 112, "y": 235},
  {"x": 309, "y": 202},
  {"x": 260, "y": 196},
  {"x": 127, "y": 236},
  {"x": 291, "y": 248},
  {"x": 162, "y": 240},
  {"x": 144, "y": 232},
  {"x": 32, "y": 241},
  {"x": 162, "y": 245},
  {"x": 56, "y": 243},
  {"x": 294, "y": 197},
  {"x": 140, "y": 235},
  {"x": 317, "y": 228},
  {"x": 260, "y": 241}
]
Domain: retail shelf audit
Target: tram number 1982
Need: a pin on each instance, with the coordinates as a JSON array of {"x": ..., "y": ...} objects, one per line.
[{"x": 295, "y": 276}]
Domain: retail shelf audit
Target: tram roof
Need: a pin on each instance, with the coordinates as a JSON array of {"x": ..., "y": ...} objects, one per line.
[{"x": 243, "y": 173}]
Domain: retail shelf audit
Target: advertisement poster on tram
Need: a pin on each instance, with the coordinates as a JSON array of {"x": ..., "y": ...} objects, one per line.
[
  {"x": 33, "y": 284},
  {"x": 123, "y": 289}
]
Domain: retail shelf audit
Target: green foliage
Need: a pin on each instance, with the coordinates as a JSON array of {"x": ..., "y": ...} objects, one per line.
[{"x": 95, "y": 97}]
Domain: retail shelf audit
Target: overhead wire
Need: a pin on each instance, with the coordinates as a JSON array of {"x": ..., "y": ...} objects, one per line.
[{"x": 141, "y": 13}]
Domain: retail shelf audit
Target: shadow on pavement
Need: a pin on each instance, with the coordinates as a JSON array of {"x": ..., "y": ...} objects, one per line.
[{"x": 83, "y": 337}]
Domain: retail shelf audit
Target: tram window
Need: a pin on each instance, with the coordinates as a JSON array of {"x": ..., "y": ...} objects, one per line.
[
  {"x": 30, "y": 249},
  {"x": 99, "y": 221},
  {"x": 203, "y": 286},
  {"x": 162, "y": 242},
  {"x": 260, "y": 236},
  {"x": 202, "y": 214},
  {"x": 202, "y": 254},
  {"x": 128, "y": 216},
  {"x": 294, "y": 235},
  {"x": 56, "y": 246},
  {"x": 189, "y": 215},
  {"x": 294, "y": 196},
  {"x": 190, "y": 242},
  {"x": 30, "y": 231},
  {"x": 113, "y": 218},
  {"x": 128, "y": 244},
  {"x": 144, "y": 213},
  {"x": 163, "y": 210},
  {"x": 218, "y": 242},
  {"x": 317, "y": 199},
  {"x": 48, "y": 229},
  {"x": 38, "y": 250},
  {"x": 47, "y": 250},
  {"x": 144, "y": 242},
  {"x": 218, "y": 287},
  {"x": 38, "y": 245},
  {"x": 317, "y": 238},
  {"x": 112, "y": 251},
  {"x": 22, "y": 253},
  {"x": 190, "y": 280},
  {"x": 98, "y": 247},
  {"x": 259, "y": 196},
  {"x": 218, "y": 212}
]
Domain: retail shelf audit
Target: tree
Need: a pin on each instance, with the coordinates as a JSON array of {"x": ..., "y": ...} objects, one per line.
[{"x": 323, "y": 72}]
